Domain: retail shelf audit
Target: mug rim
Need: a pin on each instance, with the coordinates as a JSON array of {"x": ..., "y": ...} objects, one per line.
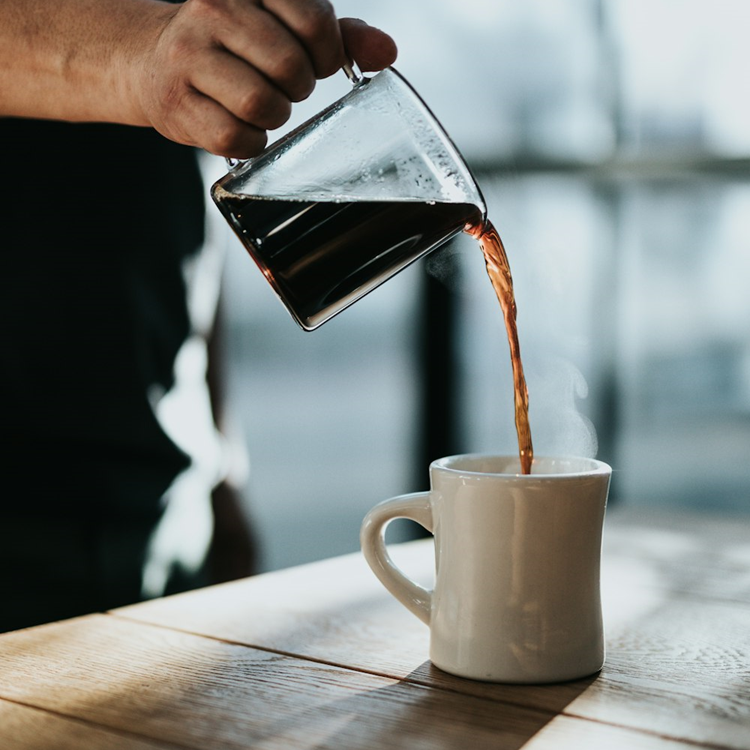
[{"x": 448, "y": 465}]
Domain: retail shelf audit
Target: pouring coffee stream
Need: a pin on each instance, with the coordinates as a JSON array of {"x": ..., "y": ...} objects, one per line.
[
  {"x": 498, "y": 270},
  {"x": 353, "y": 196}
]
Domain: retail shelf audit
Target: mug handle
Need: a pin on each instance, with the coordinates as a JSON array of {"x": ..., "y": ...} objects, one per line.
[{"x": 415, "y": 507}]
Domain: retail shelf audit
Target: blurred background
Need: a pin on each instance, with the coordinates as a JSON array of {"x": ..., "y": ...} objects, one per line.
[{"x": 611, "y": 139}]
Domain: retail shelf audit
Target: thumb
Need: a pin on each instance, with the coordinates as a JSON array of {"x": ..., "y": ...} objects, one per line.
[{"x": 370, "y": 48}]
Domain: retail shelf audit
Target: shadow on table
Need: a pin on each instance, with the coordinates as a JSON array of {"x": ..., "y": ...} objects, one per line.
[{"x": 411, "y": 714}]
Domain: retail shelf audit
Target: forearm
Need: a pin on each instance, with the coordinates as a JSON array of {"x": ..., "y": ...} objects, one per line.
[{"x": 76, "y": 60}]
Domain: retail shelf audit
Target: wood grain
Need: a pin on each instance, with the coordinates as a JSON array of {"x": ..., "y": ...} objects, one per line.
[
  {"x": 27, "y": 728},
  {"x": 694, "y": 554},
  {"x": 677, "y": 616},
  {"x": 153, "y": 684}
]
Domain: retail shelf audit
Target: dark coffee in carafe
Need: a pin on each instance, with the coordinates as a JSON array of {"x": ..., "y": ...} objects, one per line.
[{"x": 321, "y": 255}]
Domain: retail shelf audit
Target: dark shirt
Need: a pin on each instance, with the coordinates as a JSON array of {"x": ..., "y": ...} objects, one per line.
[{"x": 96, "y": 221}]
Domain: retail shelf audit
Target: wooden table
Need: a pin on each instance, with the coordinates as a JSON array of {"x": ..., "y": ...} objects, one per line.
[{"x": 321, "y": 657}]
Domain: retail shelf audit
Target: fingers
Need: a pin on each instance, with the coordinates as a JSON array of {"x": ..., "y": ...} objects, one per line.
[
  {"x": 242, "y": 90},
  {"x": 224, "y": 71},
  {"x": 204, "y": 123},
  {"x": 264, "y": 43},
  {"x": 370, "y": 48},
  {"x": 314, "y": 24}
]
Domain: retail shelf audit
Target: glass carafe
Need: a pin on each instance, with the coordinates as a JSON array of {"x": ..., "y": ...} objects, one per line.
[{"x": 342, "y": 203}]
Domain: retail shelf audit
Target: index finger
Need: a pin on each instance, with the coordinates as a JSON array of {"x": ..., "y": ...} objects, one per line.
[{"x": 314, "y": 23}]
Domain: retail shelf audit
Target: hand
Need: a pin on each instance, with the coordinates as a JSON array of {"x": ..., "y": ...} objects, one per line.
[{"x": 223, "y": 72}]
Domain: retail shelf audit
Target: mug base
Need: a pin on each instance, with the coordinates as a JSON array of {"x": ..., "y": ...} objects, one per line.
[{"x": 520, "y": 679}]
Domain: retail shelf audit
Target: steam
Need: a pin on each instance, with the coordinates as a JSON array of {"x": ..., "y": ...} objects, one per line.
[
  {"x": 450, "y": 265},
  {"x": 446, "y": 265},
  {"x": 557, "y": 424}
]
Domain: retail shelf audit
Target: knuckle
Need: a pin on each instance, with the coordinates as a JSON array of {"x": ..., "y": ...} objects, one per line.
[
  {"x": 180, "y": 49},
  {"x": 302, "y": 90},
  {"x": 328, "y": 67},
  {"x": 237, "y": 142},
  {"x": 206, "y": 9},
  {"x": 250, "y": 103},
  {"x": 291, "y": 70},
  {"x": 317, "y": 18},
  {"x": 224, "y": 139},
  {"x": 172, "y": 96},
  {"x": 278, "y": 116},
  {"x": 257, "y": 105},
  {"x": 319, "y": 28},
  {"x": 251, "y": 145},
  {"x": 287, "y": 63}
]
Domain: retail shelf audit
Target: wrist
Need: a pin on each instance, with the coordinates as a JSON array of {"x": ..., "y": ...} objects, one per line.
[{"x": 133, "y": 59}]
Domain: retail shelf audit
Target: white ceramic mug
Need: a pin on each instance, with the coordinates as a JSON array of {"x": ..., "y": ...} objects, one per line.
[{"x": 517, "y": 558}]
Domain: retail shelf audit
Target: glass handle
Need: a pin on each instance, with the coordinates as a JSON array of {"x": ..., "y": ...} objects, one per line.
[{"x": 353, "y": 73}]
